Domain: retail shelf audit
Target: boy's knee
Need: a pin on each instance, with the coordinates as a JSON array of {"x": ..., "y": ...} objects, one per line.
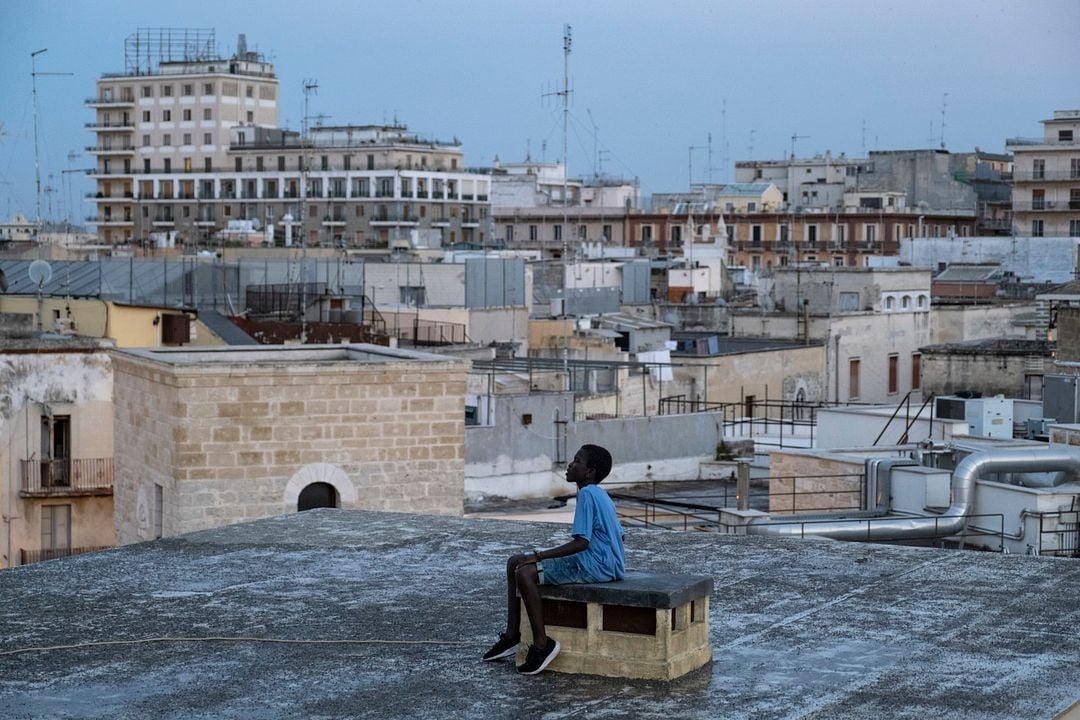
[
  {"x": 527, "y": 573},
  {"x": 514, "y": 563}
]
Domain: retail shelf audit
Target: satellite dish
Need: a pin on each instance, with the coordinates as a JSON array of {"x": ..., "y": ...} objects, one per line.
[{"x": 40, "y": 272}]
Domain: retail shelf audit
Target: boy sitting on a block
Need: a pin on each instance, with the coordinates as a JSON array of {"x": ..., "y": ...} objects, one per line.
[{"x": 594, "y": 554}]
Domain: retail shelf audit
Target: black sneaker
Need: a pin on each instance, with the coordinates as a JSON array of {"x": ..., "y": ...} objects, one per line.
[
  {"x": 538, "y": 659},
  {"x": 505, "y": 647}
]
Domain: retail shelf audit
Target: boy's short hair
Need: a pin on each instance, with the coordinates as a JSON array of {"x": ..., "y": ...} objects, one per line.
[{"x": 598, "y": 459}]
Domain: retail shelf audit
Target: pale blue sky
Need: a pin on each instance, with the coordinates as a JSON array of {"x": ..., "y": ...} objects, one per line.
[{"x": 654, "y": 75}]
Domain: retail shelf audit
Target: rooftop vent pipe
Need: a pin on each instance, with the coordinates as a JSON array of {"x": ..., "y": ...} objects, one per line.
[{"x": 974, "y": 466}]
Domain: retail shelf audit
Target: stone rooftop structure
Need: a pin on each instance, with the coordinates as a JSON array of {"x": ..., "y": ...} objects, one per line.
[
  {"x": 213, "y": 436},
  {"x": 800, "y": 629}
]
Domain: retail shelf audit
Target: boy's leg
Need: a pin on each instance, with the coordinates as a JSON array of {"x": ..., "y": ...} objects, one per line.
[
  {"x": 528, "y": 584},
  {"x": 509, "y": 640},
  {"x": 513, "y": 607}
]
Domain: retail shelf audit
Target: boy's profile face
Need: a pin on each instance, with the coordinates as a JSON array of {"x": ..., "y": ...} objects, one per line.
[{"x": 578, "y": 471}]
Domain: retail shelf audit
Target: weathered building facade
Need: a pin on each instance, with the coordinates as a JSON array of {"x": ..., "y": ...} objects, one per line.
[{"x": 56, "y": 447}]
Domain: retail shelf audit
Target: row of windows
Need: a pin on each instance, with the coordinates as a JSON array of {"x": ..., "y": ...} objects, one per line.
[
  {"x": 334, "y": 187},
  {"x": 906, "y": 302},
  {"x": 338, "y": 213},
  {"x": 893, "y": 370},
  {"x": 1039, "y": 172},
  {"x": 228, "y": 89},
  {"x": 186, "y": 115},
  {"x": 557, "y": 232},
  {"x": 1038, "y": 228}
]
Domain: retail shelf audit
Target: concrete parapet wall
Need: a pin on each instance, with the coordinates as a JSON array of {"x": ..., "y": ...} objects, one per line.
[{"x": 511, "y": 459}]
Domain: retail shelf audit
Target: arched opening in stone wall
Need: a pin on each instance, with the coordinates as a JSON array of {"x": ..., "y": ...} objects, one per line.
[{"x": 317, "y": 495}]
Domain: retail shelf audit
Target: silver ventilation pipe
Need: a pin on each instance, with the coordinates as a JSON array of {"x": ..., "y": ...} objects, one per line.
[
  {"x": 953, "y": 519},
  {"x": 879, "y": 482}
]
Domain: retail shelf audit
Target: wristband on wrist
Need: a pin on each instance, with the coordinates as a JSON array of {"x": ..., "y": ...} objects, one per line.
[{"x": 536, "y": 554}]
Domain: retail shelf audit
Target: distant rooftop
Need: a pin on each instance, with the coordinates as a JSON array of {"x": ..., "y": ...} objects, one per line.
[
  {"x": 279, "y": 354},
  {"x": 969, "y": 273},
  {"x": 993, "y": 346},
  {"x": 800, "y": 628},
  {"x": 726, "y": 345},
  {"x": 753, "y": 189}
]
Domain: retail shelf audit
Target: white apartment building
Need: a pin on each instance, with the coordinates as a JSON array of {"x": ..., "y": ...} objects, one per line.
[
  {"x": 1046, "y": 179},
  {"x": 535, "y": 205},
  {"x": 816, "y": 182},
  {"x": 188, "y": 141}
]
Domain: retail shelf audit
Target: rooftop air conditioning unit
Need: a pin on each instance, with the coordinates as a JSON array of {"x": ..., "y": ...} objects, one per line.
[{"x": 985, "y": 417}]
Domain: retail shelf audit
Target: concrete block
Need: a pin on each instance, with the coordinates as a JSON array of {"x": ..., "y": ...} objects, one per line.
[{"x": 621, "y": 632}]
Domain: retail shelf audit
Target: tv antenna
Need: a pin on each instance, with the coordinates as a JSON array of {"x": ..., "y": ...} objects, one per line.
[
  {"x": 37, "y": 160},
  {"x": 564, "y": 93},
  {"x": 311, "y": 87},
  {"x": 690, "y": 164},
  {"x": 595, "y": 134},
  {"x": 795, "y": 137},
  {"x": 723, "y": 141},
  {"x": 944, "y": 104}
]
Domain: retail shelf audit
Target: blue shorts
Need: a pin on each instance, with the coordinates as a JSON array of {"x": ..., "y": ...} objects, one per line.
[{"x": 563, "y": 571}]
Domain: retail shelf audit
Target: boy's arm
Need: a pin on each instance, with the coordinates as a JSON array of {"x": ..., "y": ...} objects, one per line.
[{"x": 576, "y": 545}]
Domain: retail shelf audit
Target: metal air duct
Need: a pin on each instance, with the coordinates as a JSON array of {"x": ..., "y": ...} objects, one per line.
[{"x": 953, "y": 519}]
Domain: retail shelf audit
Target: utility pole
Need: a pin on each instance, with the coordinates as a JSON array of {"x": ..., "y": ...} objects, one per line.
[
  {"x": 311, "y": 87},
  {"x": 37, "y": 160},
  {"x": 566, "y": 200}
]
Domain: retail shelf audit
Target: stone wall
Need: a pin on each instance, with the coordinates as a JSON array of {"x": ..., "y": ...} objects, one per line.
[
  {"x": 811, "y": 482},
  {"x": 1068, "y": 334},
  {"x": 957, "y": 323},
  {"x": 231, "y": 441},
  {"x": 947, "y": 372}
]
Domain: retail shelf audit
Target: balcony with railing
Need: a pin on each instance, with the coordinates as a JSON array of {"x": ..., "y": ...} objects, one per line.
[
  {"x": 109, "y": 219},
  {"x": 1070, "y": 175},
  {"x": 394, "y": 217},
  {"x": 53, "y": 478},
  {"x": 1066, "y": 205},
  {"x": 110, "y": 100},
  {"x": 110, "y": 149},
  {"x": 110, "y": 126},
  {"x": 1033, "y": 141}
]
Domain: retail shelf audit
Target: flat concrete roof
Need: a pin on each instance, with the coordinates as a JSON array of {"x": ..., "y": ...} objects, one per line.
[
  {"x": 278, "y": 354},
  {"x": 800, "y": 628}
]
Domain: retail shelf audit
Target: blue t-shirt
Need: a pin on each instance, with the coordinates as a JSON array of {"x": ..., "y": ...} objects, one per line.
[{"x": 596, "y": 521}]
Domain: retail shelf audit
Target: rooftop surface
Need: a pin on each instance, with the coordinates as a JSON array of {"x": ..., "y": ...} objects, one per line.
[{"x": 800, "y": 628}]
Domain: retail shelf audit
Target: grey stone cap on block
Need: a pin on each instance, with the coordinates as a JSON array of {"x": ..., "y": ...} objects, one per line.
[{"x": 637, "y": 589}]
